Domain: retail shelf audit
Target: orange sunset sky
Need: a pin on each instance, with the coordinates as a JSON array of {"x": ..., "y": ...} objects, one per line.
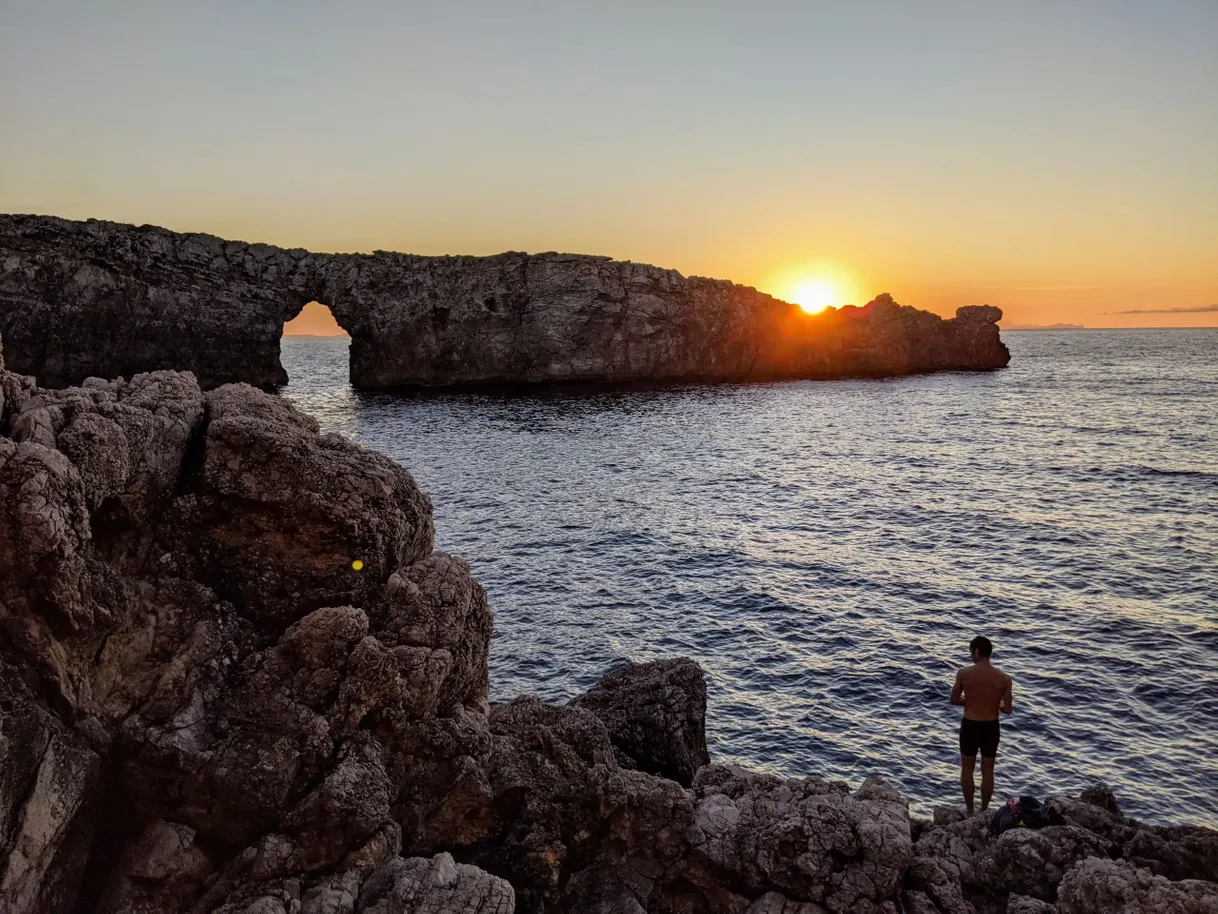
[{"x": 1059, "y": 160}]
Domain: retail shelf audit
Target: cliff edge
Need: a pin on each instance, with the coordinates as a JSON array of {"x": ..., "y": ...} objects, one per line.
[{"x": 100, "y": 299}]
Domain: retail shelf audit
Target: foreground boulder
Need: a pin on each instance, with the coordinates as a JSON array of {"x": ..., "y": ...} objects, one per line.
[
  {"x": 196, "y": 676},
  {"x": 99, "y": 298},
  {"x": 810, "y": 840},
  {"x": 1098, "y": 886},
  {"x": 656, "y": 716}
]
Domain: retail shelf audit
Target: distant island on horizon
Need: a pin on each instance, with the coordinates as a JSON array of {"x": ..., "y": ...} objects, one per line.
[{"x": 1045, "y": 327}]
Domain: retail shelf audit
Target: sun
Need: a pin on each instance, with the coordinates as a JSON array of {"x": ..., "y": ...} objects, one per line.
[
  {"x": 814, "y": 285},
  {"x": 814, "y": 295}
]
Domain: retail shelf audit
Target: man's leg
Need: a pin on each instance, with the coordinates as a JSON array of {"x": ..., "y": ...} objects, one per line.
[
  {"x": 987, "y": 780},
  {"x": 967, "y": 763}
]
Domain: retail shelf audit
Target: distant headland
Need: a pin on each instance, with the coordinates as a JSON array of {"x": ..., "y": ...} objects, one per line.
[
  {"x": 1045, "y": 327},
  {"x": 102, "y": 299}
]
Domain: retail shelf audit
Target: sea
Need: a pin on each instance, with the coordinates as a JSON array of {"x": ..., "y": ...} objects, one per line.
[{"x": 826, "y": 549}]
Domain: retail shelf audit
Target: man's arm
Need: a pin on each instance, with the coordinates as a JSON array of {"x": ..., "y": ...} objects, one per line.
[
  {"x": 1006, "y": 699},
  {"x": 958, "y": 689}
]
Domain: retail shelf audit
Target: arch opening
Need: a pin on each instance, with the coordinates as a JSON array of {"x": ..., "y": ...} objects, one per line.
[
  {"x": 314, "y": 348},
  {"x": 314, "y": 319}
]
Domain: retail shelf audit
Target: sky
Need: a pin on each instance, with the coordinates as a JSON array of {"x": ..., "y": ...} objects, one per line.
[{"x": 1057, "y": 159}]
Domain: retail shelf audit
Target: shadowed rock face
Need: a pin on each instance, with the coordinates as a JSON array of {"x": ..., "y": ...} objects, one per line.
[{"x": 100, "y": 299}]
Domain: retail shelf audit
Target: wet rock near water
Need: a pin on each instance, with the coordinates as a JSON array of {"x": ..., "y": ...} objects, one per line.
[
  {"x": 81, "y": 299},
  {"x": 236, "y": 676}
]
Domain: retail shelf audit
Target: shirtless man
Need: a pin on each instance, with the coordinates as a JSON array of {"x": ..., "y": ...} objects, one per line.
[{"x": 982, "y": 690}]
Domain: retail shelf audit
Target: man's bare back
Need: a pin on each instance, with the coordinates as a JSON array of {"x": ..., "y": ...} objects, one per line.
[{"x": 986, "y": 691}]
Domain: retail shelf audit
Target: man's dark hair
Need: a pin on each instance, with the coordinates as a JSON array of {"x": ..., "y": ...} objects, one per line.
[{"x": 981, "y": 645}]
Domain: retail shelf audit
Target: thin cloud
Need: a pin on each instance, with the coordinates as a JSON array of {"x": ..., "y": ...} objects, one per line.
[{"x": 1200, "y": 309}]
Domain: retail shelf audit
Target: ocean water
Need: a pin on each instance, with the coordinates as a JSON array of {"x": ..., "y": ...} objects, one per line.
[{"x": 827, "y": 549}]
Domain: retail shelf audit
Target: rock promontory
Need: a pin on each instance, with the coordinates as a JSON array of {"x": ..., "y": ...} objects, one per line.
[{"x": 100, "y": 299}]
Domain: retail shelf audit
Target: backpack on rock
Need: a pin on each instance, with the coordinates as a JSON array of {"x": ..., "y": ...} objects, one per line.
[{"x": 1024, "y": 812}]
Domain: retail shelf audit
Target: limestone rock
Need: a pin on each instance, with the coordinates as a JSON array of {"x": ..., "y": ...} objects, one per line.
[
  {"x": 1032, "y": 862},
  {"x": 656, "y": 716},
  {"x": 46, "y": 578},
  {"x": 811, "y": 840},
  {"x": 1176, "y": 852},
  {"x": 1022, "y": 904},
  {"x": 933, "y": 886},
  {"x": 98, "y": 298},
  {"x": 563, "y": 806},
  {"x": 947, "y": 815},
  {"x": 979, "y": 314},
  {"x": 1099, "y": 819},
  {"x": 81, "y": 299},
  {"x": 99, "y": 449},
  {"x": 234, "y": 401},
  {"x": 1101, "y": 796},
  {"x": 127, "y": 439},
  {"x": 1099, "y": 886},
  {"x": 958, "y": 846},
  {"x": 50, "y": 782},
  {"x": 279, "y": 516},
  {"x": 163, "y": 870},
  {"x": 436, "y": 886},
  {"x": 773, "y": 903},
  {"x": 438, "y": 623}
]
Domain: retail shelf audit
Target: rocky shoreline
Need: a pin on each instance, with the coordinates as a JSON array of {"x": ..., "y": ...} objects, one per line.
[
  {"x": 235, "y": 676},
  {"x": 85, "y": 299}
]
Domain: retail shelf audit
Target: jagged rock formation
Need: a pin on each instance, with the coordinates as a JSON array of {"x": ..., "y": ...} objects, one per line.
[
  {"x": 656, "y": 716},
  {"x": 99, "y": 299},
  {"x": 206, "y": 706}
]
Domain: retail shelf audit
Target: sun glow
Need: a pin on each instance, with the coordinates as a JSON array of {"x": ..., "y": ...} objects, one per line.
[
  {"x": 815, "y": 285},
  {"x": 815, "y": 295}
]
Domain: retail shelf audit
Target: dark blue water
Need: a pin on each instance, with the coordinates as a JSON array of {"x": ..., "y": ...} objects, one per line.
[{"x": 827, "y": 549}]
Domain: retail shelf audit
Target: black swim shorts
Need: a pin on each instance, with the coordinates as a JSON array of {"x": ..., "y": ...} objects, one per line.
[{"x": 979, "y": 734}]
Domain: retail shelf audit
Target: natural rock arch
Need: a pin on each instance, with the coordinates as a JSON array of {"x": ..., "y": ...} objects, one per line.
[{"x": 80, "y": 299}]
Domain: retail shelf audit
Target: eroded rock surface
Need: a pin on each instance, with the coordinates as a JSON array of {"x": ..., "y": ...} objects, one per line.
[
  {"x": 1098, "y": 886},
  {"x": 656, "y": 716},
  {"x": 79, "y": 299},
  {"x": 236, "y": 677}
]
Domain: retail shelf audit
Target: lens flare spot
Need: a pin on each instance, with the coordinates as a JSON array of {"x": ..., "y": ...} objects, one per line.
[{"x": 358, "y": 564}]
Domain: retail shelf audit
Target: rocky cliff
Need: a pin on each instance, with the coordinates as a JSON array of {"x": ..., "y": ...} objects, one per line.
[
  {"x": 236, "y": 678},
  {"x": 99, "y": 299}
]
